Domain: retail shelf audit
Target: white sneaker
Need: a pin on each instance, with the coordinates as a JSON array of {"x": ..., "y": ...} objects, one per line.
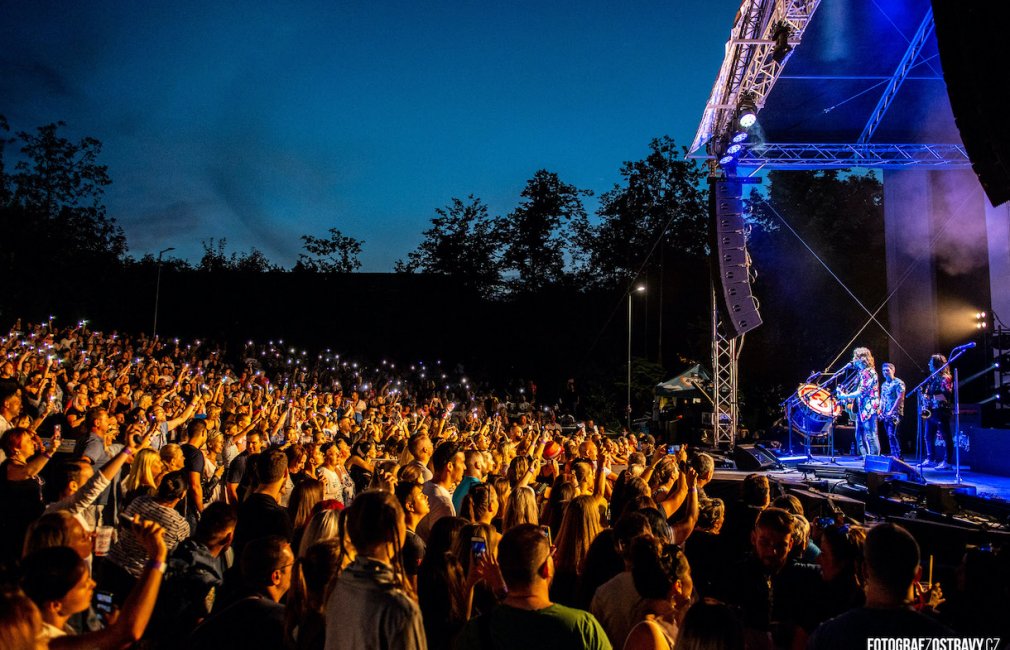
[{"x": 942, "y": 465}]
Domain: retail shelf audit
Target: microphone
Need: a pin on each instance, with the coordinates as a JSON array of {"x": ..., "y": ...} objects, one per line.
[
  {"x": 966, "y": 346},
  {"x": 845, "y": 367}
]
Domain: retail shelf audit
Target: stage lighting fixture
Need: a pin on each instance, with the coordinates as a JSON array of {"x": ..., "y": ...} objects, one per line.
[
  {"x": 727, "y": 160},
  {"x": 746, "y": 112},
  {"x": 734, "y": 149},
  {"x": 740, "y": 136},
  {"x": 782, "y": 47}
]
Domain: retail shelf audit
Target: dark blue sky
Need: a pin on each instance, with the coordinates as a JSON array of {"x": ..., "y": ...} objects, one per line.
[{"x": 262, "y": 121}]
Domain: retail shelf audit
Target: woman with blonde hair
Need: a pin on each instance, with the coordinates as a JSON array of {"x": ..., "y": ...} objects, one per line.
[
  {"x": 171, "y": 457},
  {"x": 324, "y": 525},
  {"x": 579, "y": 527},
  {"x": 145, "y": 475},
  {"x": 521, "y": 508}
]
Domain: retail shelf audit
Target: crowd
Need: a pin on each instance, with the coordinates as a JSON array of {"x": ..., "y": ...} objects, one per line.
[{"x": 154, "y": 493}]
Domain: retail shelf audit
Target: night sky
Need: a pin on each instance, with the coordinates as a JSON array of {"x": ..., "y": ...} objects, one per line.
[{"x": 262, "y": 121}]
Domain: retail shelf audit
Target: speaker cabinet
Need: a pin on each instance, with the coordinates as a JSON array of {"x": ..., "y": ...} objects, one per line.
[{"x": 731, "y": 263}]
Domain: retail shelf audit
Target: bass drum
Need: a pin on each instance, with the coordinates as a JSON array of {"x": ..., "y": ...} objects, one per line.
[{"x": 813, "y": 409}]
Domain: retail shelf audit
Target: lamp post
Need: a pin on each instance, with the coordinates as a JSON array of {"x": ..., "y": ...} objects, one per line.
[
  {"x": 157, "y": 291},
  {"x": 639, "y": 289}
]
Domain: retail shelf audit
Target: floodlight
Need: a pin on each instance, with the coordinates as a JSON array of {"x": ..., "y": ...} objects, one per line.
[{"x": 746, "y": 112}]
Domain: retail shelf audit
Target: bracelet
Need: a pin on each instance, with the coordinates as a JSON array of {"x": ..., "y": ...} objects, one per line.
[
  {"x": 156, "y": 565},
  {"x": 128, "y": 451},
  {"x": 690, "y": 490}
]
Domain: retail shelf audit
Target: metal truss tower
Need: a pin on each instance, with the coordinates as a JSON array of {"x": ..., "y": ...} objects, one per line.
[{"x": 724, "y": 382}]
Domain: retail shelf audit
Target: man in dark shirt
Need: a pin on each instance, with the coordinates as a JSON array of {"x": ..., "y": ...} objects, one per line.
[
  {"x": 768, "y": 587},
  {"x": 255, "y": 620},
  {"x": 192, "y": 464},
  {"x": 890, "y": 569},
  {"x": 261, "y": 514},
  {"x": 237, "y": 477}
]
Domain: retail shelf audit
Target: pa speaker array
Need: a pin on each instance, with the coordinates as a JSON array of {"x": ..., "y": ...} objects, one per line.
[{"x": 730, "y": 265}]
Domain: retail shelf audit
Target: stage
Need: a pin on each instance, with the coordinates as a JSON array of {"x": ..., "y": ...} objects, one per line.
[{"x": 867, "y": 491}]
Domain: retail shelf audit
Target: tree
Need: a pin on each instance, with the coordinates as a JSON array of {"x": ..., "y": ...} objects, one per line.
[
  {"x": 840, "y": 215},
  {"x": 53, "y": 202},
  {"x": 337, "y": 253},
  {"x": 215, "y": 259},
  {"x": 5, "y": 187},
  {"x": 662, "y": 195},
  {"x": 460, "y": 243},
  {"x": 538, "y": 236}
]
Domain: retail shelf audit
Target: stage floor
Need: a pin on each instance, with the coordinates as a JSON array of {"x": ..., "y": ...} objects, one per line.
[{"x": 986, "y": 485}]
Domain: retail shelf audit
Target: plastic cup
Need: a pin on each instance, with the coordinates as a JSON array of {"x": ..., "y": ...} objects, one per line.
[{"x": 103, "y": 540}]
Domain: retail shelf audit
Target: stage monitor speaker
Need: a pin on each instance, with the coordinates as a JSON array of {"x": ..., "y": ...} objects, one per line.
[
  {"x": 731, "y": 266},
  {"x": 970, "y": 37},
  {"x": 751, "y": 458},
  {"x": 888, "y": 464}
]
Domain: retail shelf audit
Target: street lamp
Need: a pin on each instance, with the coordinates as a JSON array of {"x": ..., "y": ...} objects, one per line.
[
  {"x": 157, "y": 291},
  {"x": 639, "y": 289}
]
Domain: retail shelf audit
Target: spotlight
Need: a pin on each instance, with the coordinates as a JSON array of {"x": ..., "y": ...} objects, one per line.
[
  {"x": 740, "y": 136},
  {"x": 746, "y": 112},
  {"x": 734, "y": 149},
  {"x": 727, "y": 160}
]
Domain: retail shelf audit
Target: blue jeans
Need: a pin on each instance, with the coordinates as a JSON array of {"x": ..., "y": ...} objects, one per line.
[
  {"x": 867, "y": 442},
  {"x": 891, "y": 429}
]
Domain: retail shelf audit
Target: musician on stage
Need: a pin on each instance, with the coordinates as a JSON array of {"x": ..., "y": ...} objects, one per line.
[
  {"x": 892, "y": 407},
  {"x": 866, "y": 396},
  {"x": 938, "y": 396}
]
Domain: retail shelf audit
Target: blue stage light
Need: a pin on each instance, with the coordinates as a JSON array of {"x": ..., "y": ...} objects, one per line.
[
  {"x": 740, "y": 136},
  {"x": 727, "y": 160},
  {"x": 734, "y": 149}
]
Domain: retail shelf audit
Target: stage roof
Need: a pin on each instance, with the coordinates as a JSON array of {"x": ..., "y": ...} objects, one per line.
[{"x": 863, "y": 86}]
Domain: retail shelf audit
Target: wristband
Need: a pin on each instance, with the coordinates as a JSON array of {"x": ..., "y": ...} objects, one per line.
[
  {"x": 156, "y": 565},
  {"x": 128, "y": 451},
  {"x": 690, "y": 490}
]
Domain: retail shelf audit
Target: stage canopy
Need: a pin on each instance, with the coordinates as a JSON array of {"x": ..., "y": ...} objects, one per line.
[{"x": 836, "y": 83}]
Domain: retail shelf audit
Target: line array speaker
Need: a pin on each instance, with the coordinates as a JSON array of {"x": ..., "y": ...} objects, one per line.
[{"x": 731, "y": 265}]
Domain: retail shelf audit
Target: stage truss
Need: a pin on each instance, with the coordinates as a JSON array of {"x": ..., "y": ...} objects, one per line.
[{"x": 753, "y": 62}]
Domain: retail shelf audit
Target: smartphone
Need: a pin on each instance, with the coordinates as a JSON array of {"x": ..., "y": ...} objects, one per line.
[
  {"x": 672, "y": 449},
  {"x": 103, "y": 601},
  {"x": 546, "y": 530},
  {"x": 478, "y": 546}
]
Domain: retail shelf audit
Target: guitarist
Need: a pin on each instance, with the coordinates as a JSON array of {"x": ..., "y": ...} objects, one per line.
[
  {"x": 892, "y": 407},
  {"x": 866, "y": 395}
]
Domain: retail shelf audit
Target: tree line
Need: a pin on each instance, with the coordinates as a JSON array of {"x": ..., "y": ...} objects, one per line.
[{"x": 52, "y": 213}]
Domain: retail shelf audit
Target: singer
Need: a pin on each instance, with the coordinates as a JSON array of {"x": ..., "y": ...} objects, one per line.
[
  {"x": 938, "y": 395},
  {"x": 866, "y": 396}
]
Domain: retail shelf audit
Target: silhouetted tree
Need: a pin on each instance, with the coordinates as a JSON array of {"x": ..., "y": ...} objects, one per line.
[
  {"x": 538, "y": 236},
  {"x": 662, "y": 193},
  {"x": 215, "y": 258},
  {"x": 840, "y": 215},
  {"x": 460, "y": 243},
  {"x": 53, "y": 213},
  {"x": 337, "y": 253}
]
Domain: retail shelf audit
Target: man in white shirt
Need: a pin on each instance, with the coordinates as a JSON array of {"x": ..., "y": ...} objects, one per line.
[{"x": 449, "y": 464}]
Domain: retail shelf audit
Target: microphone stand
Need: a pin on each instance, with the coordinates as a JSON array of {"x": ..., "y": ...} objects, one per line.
[
  {"x": 956, "y": 435},
  {"x": 831, "y": 428}
]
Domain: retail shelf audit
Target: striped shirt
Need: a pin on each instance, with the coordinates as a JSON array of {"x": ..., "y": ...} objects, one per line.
[{"x": 128, "y": 553}]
